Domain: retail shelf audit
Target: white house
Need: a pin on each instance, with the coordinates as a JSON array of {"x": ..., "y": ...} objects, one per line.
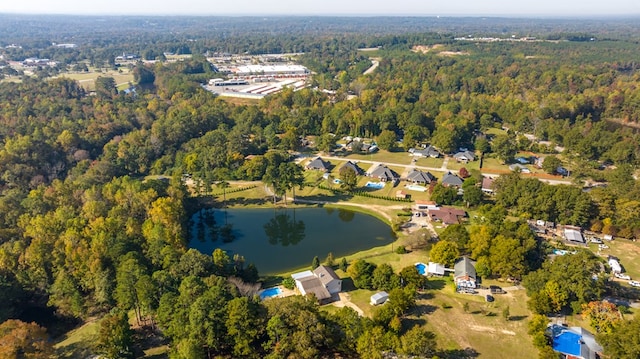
[
  {"x": 614, "y": 264},
  {"x": 379, "y": 298},
  {"x": 322, "y": 282},
  {"x": 464, "y": 274}
]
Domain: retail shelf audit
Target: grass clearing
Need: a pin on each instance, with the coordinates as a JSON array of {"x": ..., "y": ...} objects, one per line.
[
  {"x": 78, "y": 343},
  {"x": 87, "y": 79},
  {"x": 382, "y": 156},
  {"x": 429, "y": 162}
]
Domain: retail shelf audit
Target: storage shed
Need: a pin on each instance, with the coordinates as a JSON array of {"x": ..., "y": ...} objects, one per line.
[{"x": 379, "y": 298}]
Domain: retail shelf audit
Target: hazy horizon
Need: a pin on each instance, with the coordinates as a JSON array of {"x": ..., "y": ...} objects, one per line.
[{"x": 359, "y": 8}]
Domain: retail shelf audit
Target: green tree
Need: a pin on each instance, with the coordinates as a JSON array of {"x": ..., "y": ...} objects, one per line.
[
  {"x": 551, "y": 164},
  {"x": 315, "y": 263},
  {"x": 456, "y": 233},
  {"x": 348, "y": 179},
  {"x": 386, "y": 140},
  {"x": 504, "y": 146},
  {"x": 115, "y": 338},
  {"x": 419, "y": 342},
  {"x": 343, "y": 264},
  {"x": 329, "y": 261},
  {"x": 623, "y": 341},
  {"x": 384, "y": 278},
  {"x": 506, "y": 313},
  {"x": 444, "y": 252},
  {"x": 245, "y": 324},
  {"x": 411, "y": 276},
  {"x": 325, "y": 142},
  {"x": 361, "y": 272}
]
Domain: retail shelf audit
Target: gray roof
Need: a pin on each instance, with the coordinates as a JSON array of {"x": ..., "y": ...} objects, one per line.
[
  {"x": 419, "y": 176},
  {"x": 430, "y": 151},
  {"x": 384, "y": 172},
  {"x": 573, "y": 235},
  {"x": 450, "y": 179},
  {"x": 325, "y": 274},
  {"x": 380, "y": 295},
  {"x": 314, "y": 285},
  {"x": 465, "y": 155},
  {"x": 464, "y": 267},
  {"x": 352, "y": 166},
  {"x": 318, "y": 164}
]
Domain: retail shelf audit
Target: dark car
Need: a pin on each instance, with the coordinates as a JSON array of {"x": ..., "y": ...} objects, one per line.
[{"x": 489, "y": 298}]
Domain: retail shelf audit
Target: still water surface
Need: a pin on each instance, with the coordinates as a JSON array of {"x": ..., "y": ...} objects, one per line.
[{"x": 278, "y": 240}]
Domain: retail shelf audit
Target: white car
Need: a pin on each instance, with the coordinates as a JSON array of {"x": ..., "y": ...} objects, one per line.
[
  {"x": 603, "y": 246},
  {"x": 634, "y": 283},
  {"x": 622, "y": 276},
  {"x": 596, "y": 240}
]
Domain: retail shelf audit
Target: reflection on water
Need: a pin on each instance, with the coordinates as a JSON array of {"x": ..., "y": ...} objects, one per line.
[
  {"x": 286, "y": 239},
  {"x": 284, "y": 229}
]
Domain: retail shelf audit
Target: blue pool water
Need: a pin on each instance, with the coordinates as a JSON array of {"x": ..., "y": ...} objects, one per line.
[
  {"x": 422, "y": 268},
  {"x": 567, "y": 342},
  {"x": 271, "y": 292},
  {"x": 337, "y": 181},
  {"x": 376, "y": 185}
]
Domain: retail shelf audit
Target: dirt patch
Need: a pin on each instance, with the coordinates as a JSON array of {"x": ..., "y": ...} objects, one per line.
[
  {"x": 426, "y": 48},
  {"x": 453, "y": 53},
  {"x": 480, "y": 328}
]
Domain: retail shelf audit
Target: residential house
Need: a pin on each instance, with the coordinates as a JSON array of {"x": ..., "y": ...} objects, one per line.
[
  {"x": 465, "y": 156},
  {"x": 319, "y": 165},
  {"x": 379, "y": 298},
  {"x": 451, "y": 180},
  {"x": 429, "y": 151},
  {"x": 322, "y": 282},
  {"x": 428, "y": 205},
  {"x": 353, "y": 166},
  {"x": 384, "y": 174},
  {"x": 464, "y": 274},
  {"x": 436, "y": 269},
  {"x": 446, "y": 215},
  {"x": 487, "y": 185},
  {"x": 417, "y": 176},
  {"x": 573, "y": 235},
  {"x": 574, "y": 342},
  {"x": 329, "y": 279}
]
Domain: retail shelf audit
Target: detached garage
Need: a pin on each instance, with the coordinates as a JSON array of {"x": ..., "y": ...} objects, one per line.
[{"x": 379, "y": 298}]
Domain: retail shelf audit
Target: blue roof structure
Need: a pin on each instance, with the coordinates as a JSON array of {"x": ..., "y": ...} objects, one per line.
[{"x": 567, "y": 343}]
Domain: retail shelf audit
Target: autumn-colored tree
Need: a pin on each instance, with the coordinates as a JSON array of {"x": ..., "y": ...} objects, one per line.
[
  {"x": 603, "y": 316},
  {"x": 24, "y": 340}
]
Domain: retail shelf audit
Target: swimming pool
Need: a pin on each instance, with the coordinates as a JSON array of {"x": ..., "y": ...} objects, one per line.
[
  {"x": 376, "y": 185},
  {"x": 270, "y": 292},
  {"x": 422, "y": 268},
  {"x": 337, "y": 181}
]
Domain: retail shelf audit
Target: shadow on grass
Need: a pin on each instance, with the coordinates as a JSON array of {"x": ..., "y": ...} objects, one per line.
[
  {"x": 517, "y": 318},
  {"x": 466, "y": 353},
  {"x": 436, "y": 284},
  {"x": 408, "y": 323},
  {"x": 75, "y": 350},
  {"x": 425, "y": 309},
  {"x": 347, "y": 285}
]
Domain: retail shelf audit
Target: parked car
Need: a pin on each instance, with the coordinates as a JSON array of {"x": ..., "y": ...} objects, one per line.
[
  {"x": 634, "y": 283},
  {"x": 496, "y": 290},
  {"x": 490, "y": 298},
  {"x": 622, "y": 276},
  {"x": 603, "y": 246},
  {"x": 596, "y": 240}
]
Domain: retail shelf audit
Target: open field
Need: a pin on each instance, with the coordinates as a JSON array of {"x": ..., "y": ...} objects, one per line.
[{"x": 87, "y": 79}]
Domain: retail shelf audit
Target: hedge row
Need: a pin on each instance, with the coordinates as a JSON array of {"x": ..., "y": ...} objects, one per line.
[
  {"x": 234, "y": 190},
  {"x": 365, "y": 194}
]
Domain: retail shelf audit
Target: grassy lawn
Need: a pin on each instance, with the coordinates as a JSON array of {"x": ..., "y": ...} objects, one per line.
[
  {"x": 627, "y": 251},
  {"x": 496, "y": 131},
  {"x": 491, "y": 164},
  {"x": 455, "y": 165},
  {"x": 482, "y": 327},
  {"x": 429, "y": 162},
  {"x": 78, "y": 343},
  {"x": 87, "y": 79}
]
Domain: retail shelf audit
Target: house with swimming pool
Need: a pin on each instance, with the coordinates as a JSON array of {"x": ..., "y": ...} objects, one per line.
[
  {"x": 384, "y": 173},
  {"x": 322, "y": 282}
]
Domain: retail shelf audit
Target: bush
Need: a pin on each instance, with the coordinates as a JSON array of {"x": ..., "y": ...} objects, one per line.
[
  {"x": 401, "y": 250},
  {"x": 288, "y": 283}
]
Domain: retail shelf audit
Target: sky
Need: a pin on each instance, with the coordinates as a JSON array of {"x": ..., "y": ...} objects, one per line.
[{"x": 519, "y": 8}]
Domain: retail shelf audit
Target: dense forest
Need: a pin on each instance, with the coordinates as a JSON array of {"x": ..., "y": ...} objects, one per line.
[{"x": 84, "y": 233}]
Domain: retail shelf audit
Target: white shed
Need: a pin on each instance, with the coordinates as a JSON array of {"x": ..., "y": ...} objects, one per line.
[
  {"x": 615, "y": 265},
  {"x": 379, "y": 298}
]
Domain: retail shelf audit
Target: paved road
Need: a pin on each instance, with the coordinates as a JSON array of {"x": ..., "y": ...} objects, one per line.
[{"x": 373, "y": 67}]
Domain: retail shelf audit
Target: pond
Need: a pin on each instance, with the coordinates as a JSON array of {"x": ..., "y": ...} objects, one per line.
[{"x": 279, "y": 240}]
